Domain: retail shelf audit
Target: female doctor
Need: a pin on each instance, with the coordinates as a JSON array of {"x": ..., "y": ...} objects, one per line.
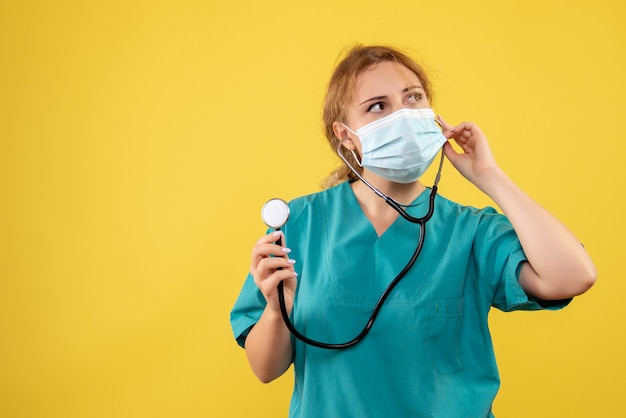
[{"x": 429, "y": 352}]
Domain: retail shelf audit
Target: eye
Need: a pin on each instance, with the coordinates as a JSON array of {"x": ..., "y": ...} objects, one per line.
[
  {"x": 376, "y": 107},
  {"x": 415, "y": 97}
]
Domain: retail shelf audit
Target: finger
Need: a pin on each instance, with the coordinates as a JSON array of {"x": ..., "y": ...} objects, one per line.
[
  {"x": 261, "y": 265},
  {"x": 267, "y": 284},
  {"x": 272, "y": 237},
  {"x": 266, "y": 250},
  {"x": 268, "y": 245},
  {"x": 274, "y": 263},
  {"x": 462, "y": 137},
  {"x": 451, "y": 154},
  {"x": 458, "y": 133},
  {"x": 448, "y": 130},
  {"x": 467, "y": 129},
  {"x": 449, "y": 151},
  {"x": 267, "y": 266},
  {"x": 270, "y": 292},
  {"x": 271, "y": 281}
]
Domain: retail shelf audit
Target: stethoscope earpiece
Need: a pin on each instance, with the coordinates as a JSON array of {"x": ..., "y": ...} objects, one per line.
[{"x": 438, "y": 122}]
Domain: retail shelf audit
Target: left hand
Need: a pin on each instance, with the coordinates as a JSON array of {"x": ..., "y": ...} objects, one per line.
[{"x": 476, "y": 160}]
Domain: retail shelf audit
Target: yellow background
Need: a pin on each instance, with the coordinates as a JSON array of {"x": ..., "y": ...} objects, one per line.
[{"x": 139, "y": 140}]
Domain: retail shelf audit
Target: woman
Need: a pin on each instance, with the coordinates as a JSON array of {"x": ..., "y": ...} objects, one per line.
[{"x": 429, "y": 352}]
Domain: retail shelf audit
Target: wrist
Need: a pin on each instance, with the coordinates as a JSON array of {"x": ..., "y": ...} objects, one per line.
[
  {"x": 492, "y": 181},
  {"x": 273, "y": 313}
]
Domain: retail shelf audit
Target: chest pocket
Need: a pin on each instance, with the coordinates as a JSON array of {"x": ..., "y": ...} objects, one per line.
[{"x": 456, "y": 336}]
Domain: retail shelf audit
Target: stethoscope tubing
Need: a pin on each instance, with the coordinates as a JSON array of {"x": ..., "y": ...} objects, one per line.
[{"x": 368, "y": 326}]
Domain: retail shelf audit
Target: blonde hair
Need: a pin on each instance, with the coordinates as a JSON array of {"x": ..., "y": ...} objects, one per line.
[{"x": 341, "y": 88}]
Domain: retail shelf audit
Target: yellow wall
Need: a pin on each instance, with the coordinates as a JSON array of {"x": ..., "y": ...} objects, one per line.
[{"x": 139, "y": 139}]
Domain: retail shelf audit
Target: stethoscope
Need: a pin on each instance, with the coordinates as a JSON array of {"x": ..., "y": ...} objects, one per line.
[{"x": 275, "y": 214}]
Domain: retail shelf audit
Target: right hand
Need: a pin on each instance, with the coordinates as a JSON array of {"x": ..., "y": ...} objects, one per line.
[{"x": 269, "y": 271}]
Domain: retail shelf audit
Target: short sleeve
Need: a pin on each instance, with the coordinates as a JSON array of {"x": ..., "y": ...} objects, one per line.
[
  {"x": 247, "y": 310},
  {"x": 501, "y": 256}
]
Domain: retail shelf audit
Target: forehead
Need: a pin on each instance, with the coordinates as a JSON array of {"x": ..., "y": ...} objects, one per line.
[{"x": 384, "y": 78}]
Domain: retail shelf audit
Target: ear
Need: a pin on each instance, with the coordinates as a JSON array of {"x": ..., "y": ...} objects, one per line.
[{"x": 343, "y": 134}]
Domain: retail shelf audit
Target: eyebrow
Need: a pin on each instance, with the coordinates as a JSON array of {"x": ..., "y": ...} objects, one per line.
[{"x": 406, "y": 90}]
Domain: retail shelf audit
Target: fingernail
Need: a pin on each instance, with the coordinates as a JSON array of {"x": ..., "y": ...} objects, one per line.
[
  {"x": 278, "y": 233},
  {"x": 290, "y": 261},
  {"x": 286, "y": 250},
  {"x": 295, "y": 274}
]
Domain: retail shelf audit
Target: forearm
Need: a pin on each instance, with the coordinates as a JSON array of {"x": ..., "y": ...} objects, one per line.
[
  {"x": 559, "y": 265},
  {"x": 268, "y": 346}
]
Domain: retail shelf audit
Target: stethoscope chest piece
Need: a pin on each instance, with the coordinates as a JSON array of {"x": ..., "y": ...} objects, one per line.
[{"x": 275, "y": 213}]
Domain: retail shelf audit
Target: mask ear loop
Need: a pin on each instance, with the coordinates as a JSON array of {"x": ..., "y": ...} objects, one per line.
[
  {"x": 352, "y": 151},
  {"x": 438, "y": 122},
  {"x": 354, "y": 155}
]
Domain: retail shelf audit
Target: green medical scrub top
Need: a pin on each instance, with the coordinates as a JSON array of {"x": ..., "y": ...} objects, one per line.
[{"x": 429, "y": 353}]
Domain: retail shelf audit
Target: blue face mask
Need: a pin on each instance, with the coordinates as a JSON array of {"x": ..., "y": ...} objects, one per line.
[{"x": 400, "y": 147}]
